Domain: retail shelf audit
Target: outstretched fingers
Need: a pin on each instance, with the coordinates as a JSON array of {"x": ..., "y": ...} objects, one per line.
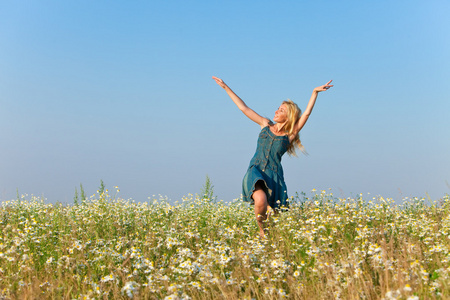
[
  {"x": 219, "y": 81},
  {"x": 327, "y": 85}
]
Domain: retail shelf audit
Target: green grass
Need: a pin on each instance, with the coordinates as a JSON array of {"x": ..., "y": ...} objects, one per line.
[{"x": 322, "y": 248}]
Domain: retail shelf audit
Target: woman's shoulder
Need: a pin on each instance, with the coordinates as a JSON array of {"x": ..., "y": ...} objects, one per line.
[{"x": 266, "y": 123}]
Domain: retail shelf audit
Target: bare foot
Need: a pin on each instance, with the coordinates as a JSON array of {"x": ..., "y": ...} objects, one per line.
[{"x": 261, "y": 234}]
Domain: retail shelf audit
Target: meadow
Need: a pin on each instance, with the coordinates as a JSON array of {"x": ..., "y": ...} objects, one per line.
[{"x": 324, "y": 247}]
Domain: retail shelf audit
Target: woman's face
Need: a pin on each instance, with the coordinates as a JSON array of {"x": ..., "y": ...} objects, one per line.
[{"x": 281, "y": 114}]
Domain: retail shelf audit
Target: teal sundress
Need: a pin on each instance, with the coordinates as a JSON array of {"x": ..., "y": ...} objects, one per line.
[{"x": 266, "y": 166}]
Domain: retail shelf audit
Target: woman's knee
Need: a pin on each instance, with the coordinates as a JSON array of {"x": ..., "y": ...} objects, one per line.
[{"x": 259, "y": 197}]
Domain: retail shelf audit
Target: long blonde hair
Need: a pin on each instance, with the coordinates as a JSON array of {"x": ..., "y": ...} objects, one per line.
[{"x": 293, "y": 115}]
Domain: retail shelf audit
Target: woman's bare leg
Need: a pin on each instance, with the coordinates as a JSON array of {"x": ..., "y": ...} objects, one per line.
[{"x": 260, "y": 200}]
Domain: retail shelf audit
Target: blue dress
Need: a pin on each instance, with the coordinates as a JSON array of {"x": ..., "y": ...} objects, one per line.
[{"x": 266, "y": 166}]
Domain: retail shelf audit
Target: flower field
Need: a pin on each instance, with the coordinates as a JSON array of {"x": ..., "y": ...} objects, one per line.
[{"x": 322, "y": 248}]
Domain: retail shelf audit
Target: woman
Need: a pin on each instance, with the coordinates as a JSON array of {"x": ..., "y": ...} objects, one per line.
[{"x": 263, "y": 184}]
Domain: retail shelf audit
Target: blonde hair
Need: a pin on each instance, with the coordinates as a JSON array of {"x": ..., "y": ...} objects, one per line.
[{"x": 293, "y": 115}]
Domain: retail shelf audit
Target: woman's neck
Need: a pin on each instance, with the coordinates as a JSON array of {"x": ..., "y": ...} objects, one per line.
[{"x": 279, "y": 127}]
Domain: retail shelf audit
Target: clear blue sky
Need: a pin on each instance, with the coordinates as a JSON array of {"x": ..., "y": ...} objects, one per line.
[{"x": 121, "y": 91}]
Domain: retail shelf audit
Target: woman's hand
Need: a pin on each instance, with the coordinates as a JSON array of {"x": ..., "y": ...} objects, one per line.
[
  {"x": 323, "y": 87},
  {"x": 250, "y": 113},
  {"x": 219, "y": 82}
]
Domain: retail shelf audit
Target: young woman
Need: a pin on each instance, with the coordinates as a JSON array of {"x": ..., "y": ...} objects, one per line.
[{"x": 263, "y": 184}]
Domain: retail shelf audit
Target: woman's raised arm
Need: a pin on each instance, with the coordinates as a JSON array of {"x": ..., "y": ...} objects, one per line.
[
  {"x": 305, "y": 115},
  {"x": 250, "y": 113}
]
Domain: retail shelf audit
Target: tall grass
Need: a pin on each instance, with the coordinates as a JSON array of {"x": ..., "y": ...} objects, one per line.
[{"x": 322, "y": 248}]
